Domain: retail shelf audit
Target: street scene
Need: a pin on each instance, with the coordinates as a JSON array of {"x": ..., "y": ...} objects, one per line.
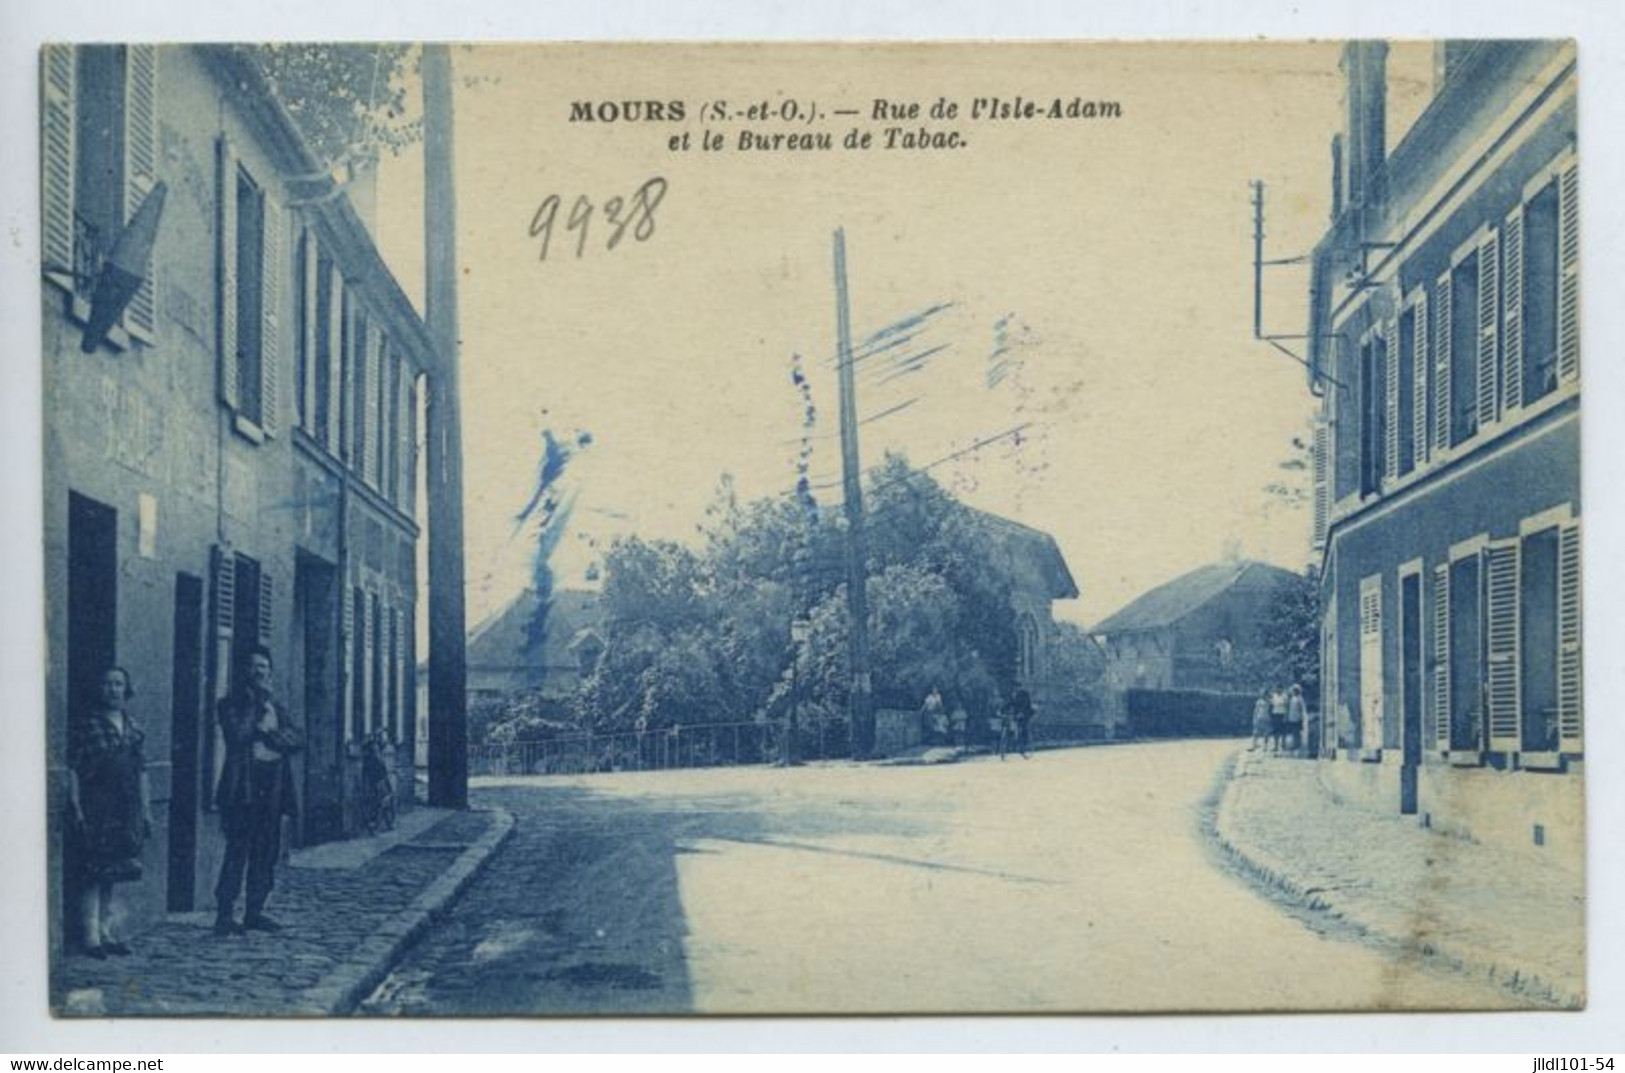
[{"x": 714, "y": 529}]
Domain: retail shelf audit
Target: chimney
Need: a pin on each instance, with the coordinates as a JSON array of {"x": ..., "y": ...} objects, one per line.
[{"x": 1365, "y": 77}]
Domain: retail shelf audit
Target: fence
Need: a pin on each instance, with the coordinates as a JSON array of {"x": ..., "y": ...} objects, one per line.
[
  {"x": 1189, "y": 713},
  {"x": 701, "y": 745}
]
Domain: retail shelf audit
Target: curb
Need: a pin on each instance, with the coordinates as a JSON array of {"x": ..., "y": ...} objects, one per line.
[
  {"x": 1275, "y": 874},
  {"x": 344, "y": 986}
]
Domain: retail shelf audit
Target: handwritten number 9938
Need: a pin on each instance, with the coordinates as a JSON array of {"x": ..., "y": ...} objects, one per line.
[{"x": 618, "y": 215}]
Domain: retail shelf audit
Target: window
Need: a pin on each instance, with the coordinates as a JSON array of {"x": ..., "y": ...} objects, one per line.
[
  {"x": 1406, "y": 401},
  {"x": 325, "y": 314},
  {"x": 250, "y": 297},
  {"x": 303, "y": 329},
  {"x": 1465, "y": 691},
  {"x": 1538, "y": 639},
  {"x": 1540, "y": 282},
  {"x": 1373, "y": 413},
  {"x": 98, "y": 163},
  {"x": 249, "y": 276},
  {"x": 357, "y": 621},
  {"x": 1462, "y": 353},
  {"x": 360, "y": 354}
]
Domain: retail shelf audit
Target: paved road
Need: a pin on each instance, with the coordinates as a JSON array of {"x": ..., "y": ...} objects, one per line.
[{"x": 1079, "y": 880}]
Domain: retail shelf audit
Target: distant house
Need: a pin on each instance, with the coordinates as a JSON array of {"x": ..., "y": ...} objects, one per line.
[
  {"x": 1039, "y": 576},
  {"x": 1198, "y": 631}
]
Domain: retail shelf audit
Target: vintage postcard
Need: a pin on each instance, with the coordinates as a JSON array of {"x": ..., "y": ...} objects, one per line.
[{"x": 539, "y": 530}]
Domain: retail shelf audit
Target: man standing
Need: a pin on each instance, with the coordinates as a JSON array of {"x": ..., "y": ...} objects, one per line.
[{"x": 254, "y": 793}]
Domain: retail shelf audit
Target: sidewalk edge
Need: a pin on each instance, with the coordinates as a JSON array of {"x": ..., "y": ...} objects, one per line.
[
  {"x": 344, "y": 986},
  {"x": 1274, "y": 874}
]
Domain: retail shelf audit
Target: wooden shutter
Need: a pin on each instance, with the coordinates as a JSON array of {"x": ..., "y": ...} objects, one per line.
[
  {"x": 226, "y": 270},
  {"x": 368, "y": 623},
  {"x": 347, "y": 642},
  {"x": 338, "y": 304},
  {"x": 1489, "y": 308},
  {"x": 1441, "y": 657},
  {"x": 1512, "y": 302},
  {"x": 1568, "y": 273},
  {"x": 58, "y": 148},
  {"x": 1371, "y": 699},
  {"x": 1420, "y": 356},
  {"x": 1570, "y": 691},
  {"x": 1500, "y": 564},
  {"x": 1441, "y": 364},
  {"x": 309, "y": 270},
  {"x": 1390, "y": 402},
  {"x": 1321, "y": 459},
  {"x": 397, "y": 653},
  {"x": 370, "y": 415},
  {"x": 267, "y": 608},
  {"x": 271, "y": 276},
  {"x": 141, "y": 173}
]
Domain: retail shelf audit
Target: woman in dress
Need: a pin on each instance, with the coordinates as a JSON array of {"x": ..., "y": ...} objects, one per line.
[{"x": 108, "y": 808}]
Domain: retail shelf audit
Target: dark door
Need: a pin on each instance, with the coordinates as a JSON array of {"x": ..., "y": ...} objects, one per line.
[
  {"x": 316, "y": 611},
  {"x": 92, "y": 596},
  {"x": 1410, "y": 662},
  {"x": 186, "y": 675}
]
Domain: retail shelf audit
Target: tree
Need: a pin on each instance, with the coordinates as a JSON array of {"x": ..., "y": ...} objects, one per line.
[
  {"x": 1290, "y": 635},
  {"x": 349, "y": 101}
]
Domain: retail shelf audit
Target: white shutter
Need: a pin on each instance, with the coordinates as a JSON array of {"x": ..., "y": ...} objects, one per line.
[
  {"x": 1441, "y": 364},
  {"x": 267, "y": 609},
  {"x": 308, "y": 272},
  {"x": 1500, "y": 564},
  {"x": 1512, "y": 301},
  {"x": 57, "y": 151},
  {"x": 337, "y": 310},
  {"x": 1570, "y": 700},
  {"x": 1568, "y": 274},
  {"x": 1489, "y": 307},
  {"x": 1390, "y": 424},
  {"x": 347, "y": 637},
  {"x": 397, "y": 647},
  {"x": 226, "y": 270},
  {"x": 1371, "y": 699},
  {"x": 1321, "y": 460},
  {"x": 1420, "y": 353},
  {"x": 370, "y": 416},
  {"x": 271, "y": 276},
  {"x": 141, "y": 173},
  {"x": 369, "y": 618},
  {"x": 1441, "y": 657}
]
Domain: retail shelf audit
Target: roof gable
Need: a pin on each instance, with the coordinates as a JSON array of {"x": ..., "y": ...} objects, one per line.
[{"x": 1170, "y": 602}]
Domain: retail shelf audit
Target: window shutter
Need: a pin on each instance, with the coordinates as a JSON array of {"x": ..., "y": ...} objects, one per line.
[
  {"x": 1371, "y": 663},
  {"x": 369, "y": 429},
  {"x": 1441, "y": 657},
  {"x": 1419, "y": 351},
  {"x": 141, "y": 173},
  {"x": 1501, "y": 644},
  {"x": 309, "y": 270},
  {"x": 1322, "y": 481},
  {"x": 338, "y": 305},
  {"x": 1441, "y": 364},
  {"x": 1512, "y": 299},
  {"x": 1568, "y": 273},
  {"x": 1570, "y": 699},
  {"x": 347, "y": 639},
  {"x": 369, "y": 703},
  {"x": 1390, "y": 446},
  {"x": 267, "y": 609},
  {"x": 57, "y": 150},
  {"x": 1489, "y": 307},
  {"x": 226, "y": 269},
  {"x": 271, "y": 318}
]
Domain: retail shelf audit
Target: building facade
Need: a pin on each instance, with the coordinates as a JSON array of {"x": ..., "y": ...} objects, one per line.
[
  {"x": 233, "y": 465},
  {"x": 1444, "y": 334}
]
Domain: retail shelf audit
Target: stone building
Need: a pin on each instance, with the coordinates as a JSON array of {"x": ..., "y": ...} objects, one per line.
[{"x": 234, "y": 463}]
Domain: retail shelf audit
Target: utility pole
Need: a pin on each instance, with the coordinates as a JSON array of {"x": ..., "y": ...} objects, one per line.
[
  {"x": 448, "y": 654},
  {"x": 860, "y": 700}
]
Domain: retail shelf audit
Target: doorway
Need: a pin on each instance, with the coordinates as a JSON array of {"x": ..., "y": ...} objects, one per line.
[
  {"x": 92, "y": 605},
  {"x": 316, "y": 613},
  {"x": 1410, "y": 661}
]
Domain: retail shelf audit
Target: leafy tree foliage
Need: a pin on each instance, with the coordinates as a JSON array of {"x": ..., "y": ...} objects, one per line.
[{"x": 350, "y": 101}]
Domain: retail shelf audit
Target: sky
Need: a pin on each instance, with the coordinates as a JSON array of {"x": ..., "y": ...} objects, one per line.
[{"x": 1100, "y": 270}]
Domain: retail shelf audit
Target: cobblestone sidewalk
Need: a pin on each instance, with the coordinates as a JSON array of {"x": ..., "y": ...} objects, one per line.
[
  {"x": 348, "y": 909},
  {"x": 1472, "y": 907}
]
